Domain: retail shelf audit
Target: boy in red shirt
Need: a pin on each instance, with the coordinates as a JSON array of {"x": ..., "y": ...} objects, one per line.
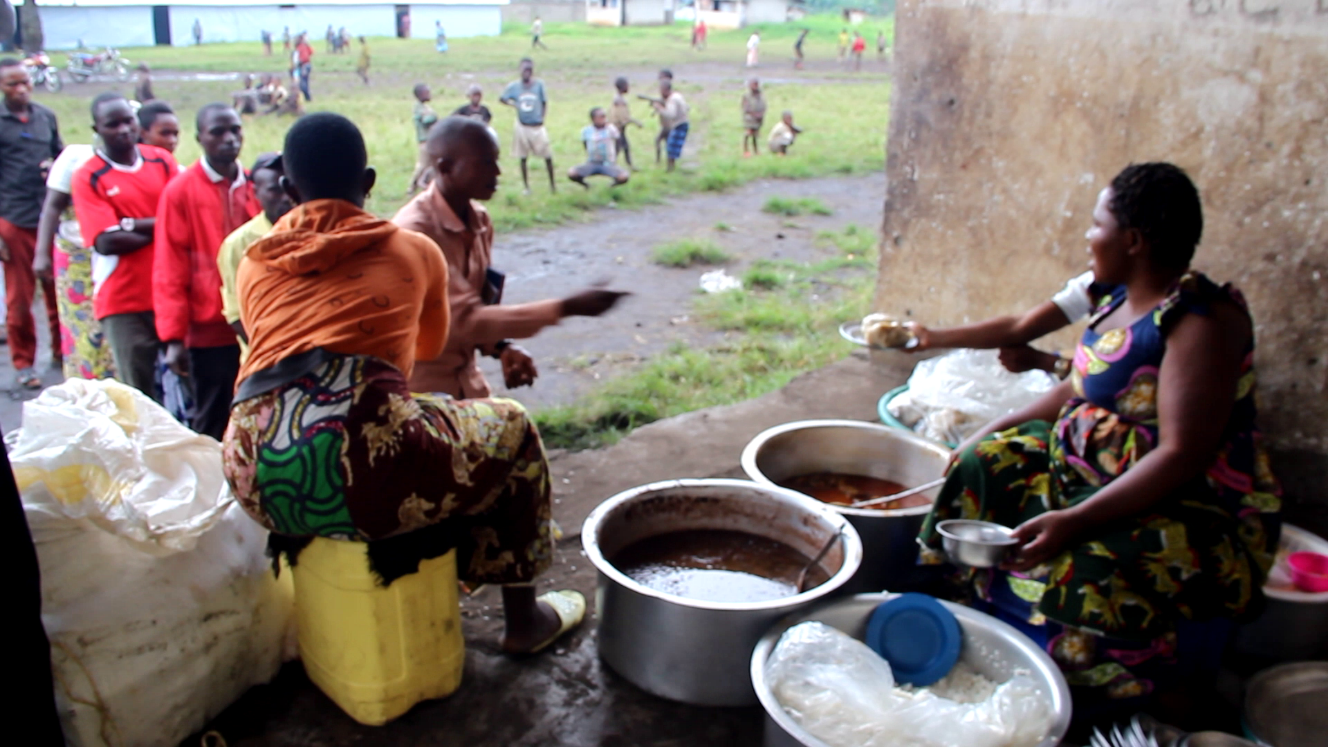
[
  {"x": 197, "y": 211},
  {"x": 116, "y": 194},
  {"x": 859, "y": 44},
  {"x": 304, "y": 55}
]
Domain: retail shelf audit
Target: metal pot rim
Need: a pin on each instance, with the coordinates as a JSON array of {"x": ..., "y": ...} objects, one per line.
[
  {"x": 852, "y": 544},
  {"x": 754, "y": 447}
]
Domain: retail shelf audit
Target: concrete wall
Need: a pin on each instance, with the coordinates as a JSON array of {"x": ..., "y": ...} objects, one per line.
[
  {"x": 550, "y": 11},
  {"x": 1009, "y": 116},
  {"x": 765, "y": 11},
  {"x": 458, "y": 20},
  {"x": 128, "y": 26},
  {"x": 645, "y": 12},
  {"x": 231, "y": 23}
]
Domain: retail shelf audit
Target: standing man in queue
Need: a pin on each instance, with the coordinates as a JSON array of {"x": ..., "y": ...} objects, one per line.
[
  {"x": 266, "y": 176},
  {"x": 465, "y": 161},
  {"x": 115, "y": 199},
  {"x": 29, "y": 142},
  {"x": 198, "y": 210},
  {"x": 532, "y": 106}
]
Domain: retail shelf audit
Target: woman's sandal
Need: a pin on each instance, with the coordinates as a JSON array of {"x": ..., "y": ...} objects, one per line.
[{"x": 570, "y": 605}]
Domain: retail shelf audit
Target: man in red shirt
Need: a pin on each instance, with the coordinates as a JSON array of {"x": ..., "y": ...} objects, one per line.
[
  {"x": 115, "y": 200},
  {"x": 199, "y": 209},
  {"x": 304, "y": 55}
]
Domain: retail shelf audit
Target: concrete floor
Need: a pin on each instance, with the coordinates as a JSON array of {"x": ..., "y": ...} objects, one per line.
[{"x": 567, "y": 696}]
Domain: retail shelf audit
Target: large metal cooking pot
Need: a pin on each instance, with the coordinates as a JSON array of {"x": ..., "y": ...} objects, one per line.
[
  {"x": 889, "y": 538},
  {"x": 1284, "y": 705},
  {"x": 691, "y": 650},
  {"x": 992, "y": 648}
]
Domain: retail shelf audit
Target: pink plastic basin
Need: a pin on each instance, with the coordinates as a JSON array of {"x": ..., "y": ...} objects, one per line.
[{"x": 1309, "y": 570}]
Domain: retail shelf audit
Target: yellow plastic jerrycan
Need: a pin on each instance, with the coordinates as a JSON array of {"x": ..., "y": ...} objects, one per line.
[{"x": 376, "y": 651}]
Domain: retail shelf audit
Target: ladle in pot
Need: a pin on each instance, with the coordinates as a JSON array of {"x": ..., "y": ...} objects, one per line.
[
  {"x": 896, "y": 496},
  {"x": 802, "y": 575}
]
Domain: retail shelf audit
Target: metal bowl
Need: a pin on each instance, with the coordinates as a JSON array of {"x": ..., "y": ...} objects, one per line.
[
  {"x": 979, "y": 544},
  {"x": 691, "y": 650},
  {"x": 991, "y": 647},
  {"x": 889, "y": 538},
  {"x": 1284, "y": 705}
]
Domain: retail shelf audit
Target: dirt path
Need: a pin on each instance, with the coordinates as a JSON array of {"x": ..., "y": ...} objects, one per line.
[{"x": 579, "y": 353}]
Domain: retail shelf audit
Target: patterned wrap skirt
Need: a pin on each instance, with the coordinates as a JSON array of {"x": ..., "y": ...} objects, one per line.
[
  {"x": 346, "y": 451},
  {"x": 1109, "y": 608},
  {"x": 87, "y": 353}
]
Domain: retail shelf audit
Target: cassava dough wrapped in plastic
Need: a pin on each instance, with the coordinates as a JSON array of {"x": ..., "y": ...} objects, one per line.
[
  {"x": 844, "y": 694},
  {"x": 951, "y": 396}
]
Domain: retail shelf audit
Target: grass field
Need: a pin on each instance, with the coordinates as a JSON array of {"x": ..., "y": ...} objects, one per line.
[{"x": 844, "y": 113}]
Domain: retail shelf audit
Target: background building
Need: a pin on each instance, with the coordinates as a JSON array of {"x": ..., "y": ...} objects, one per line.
[{"x": 125, "y": 23}]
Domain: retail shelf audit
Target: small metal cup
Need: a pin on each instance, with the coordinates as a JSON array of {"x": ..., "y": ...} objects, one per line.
[{"x": 978, "y": 544}]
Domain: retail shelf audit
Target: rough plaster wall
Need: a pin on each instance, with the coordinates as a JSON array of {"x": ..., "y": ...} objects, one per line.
[{"x": 1008, "y": 117}]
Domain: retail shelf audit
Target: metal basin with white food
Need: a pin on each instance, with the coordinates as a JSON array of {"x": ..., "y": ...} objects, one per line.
[
  {"x": 852, "y": 447},
  {"x": 992, "y": 648},
  {"x": 691, "y": 650}
]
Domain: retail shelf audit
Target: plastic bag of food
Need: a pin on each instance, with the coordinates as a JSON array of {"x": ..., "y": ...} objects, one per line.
[
  {"x": 951, "y": 396},
  {"x": 157, "y": 597},
  {"x": 843, "y": 693}
]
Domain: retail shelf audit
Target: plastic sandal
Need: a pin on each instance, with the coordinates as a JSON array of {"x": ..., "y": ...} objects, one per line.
[
  {"x": 28, "y": 379},
  {"x": 571, "y": 608}
]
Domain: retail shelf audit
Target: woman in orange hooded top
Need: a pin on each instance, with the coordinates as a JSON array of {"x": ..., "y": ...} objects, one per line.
[{"x": 325, "y": 437}]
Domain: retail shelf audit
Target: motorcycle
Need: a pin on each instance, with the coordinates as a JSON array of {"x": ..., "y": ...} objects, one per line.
[
  {"x": 39, "y": 69},
  {"x": 83, "y": 66}
]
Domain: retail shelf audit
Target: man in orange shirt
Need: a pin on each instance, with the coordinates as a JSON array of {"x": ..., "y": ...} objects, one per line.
[
  {"x": 339, "y": 304},
  {"x": 465, "y": 157},
  {"x": 198, "y": 210}
]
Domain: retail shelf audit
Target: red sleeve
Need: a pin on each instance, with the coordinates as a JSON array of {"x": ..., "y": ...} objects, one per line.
[
  {"x": 170, "y": 264},
  {"x": 93, "y": 212}
]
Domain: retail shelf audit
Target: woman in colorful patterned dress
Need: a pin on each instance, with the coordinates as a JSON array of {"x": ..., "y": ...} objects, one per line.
[
  {"x": 1138, "y": 488},
  {"x": 86, "y": 354},
  {"x": 325, "y": 437}
]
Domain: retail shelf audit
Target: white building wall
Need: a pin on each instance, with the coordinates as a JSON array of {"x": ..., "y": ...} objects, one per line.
[
  {"x": 458, "y": 20},
  {"x": 645, "y": 12},
  {"x": 765, "y": 11},
  {"x": 231, "y": 23},
  {"x": 122, "y": 26}
]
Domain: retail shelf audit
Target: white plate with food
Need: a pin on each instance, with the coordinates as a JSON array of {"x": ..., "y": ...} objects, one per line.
[{"x": 879, "y": 332}]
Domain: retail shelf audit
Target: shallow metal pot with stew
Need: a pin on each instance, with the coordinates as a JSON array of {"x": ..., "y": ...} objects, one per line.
[
  {"x": 851, "y": 447},
  {"x": 992, "y": 648},
  {"x": 691, "y": 650}
]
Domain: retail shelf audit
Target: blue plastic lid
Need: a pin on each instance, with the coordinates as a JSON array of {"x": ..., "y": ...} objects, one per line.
[{"x": 917, "y": 635}]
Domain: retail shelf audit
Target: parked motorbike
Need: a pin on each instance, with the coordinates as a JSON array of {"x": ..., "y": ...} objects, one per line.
[
  {"x": 39, "y": 69},
  {"x": 82, "y": 65}
]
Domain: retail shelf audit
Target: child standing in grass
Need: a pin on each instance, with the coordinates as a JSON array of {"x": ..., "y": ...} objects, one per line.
[
  {"x": 859, "y": 46},
  {"x": 601, "y": 142},
  {"x": 672, "y": 108},
  {"x": 753, "y": 49},
  {"x": 783, "y": 134},
  {"x": 843, "y": 44},
  {"x": 423, "y": 118},
  {"x": 363, "y": 66},
  {"x": 753, "y": 116},
  {"x": 620, "y": 117}
]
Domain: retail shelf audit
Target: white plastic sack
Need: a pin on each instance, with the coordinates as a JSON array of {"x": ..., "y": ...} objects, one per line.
[
  {"x": 951, "y": 396},
  {"x": 156, "y": 594},
  {"x": 843, "y": 693}
]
